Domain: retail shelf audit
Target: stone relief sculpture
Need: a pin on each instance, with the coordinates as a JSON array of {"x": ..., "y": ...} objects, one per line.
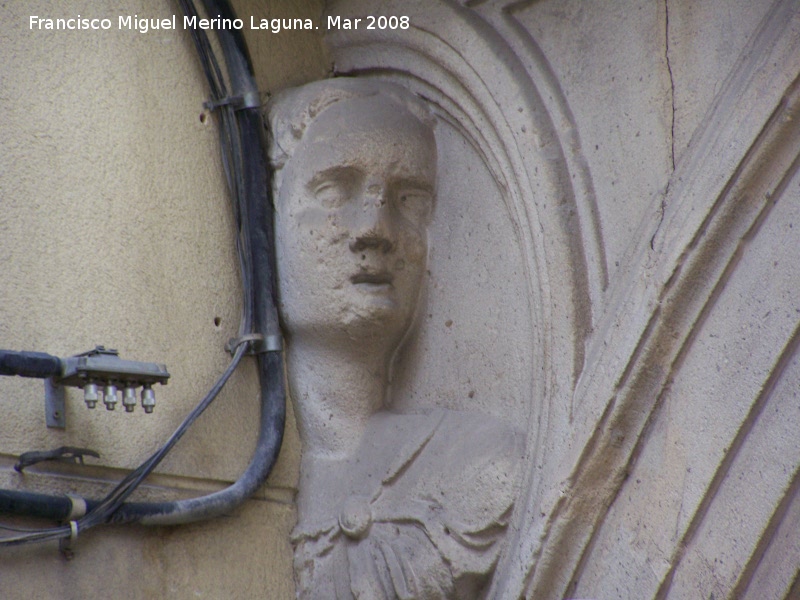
[
  {"x": 390, "y": 505},
  {"x": 656, "y": 199}
]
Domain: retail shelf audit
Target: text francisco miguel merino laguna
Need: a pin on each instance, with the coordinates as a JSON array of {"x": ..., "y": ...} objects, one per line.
[{"x": 143, "y": 25}]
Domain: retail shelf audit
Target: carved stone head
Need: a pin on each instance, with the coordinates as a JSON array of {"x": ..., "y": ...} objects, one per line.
[{"x": 355, "y": 176}]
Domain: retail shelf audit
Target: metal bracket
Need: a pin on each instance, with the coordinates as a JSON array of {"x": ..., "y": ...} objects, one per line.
[
  {"x": 256, "y": 343},
  {"x": 55, "y": 408},
  {"x": 249, "y": 99}
]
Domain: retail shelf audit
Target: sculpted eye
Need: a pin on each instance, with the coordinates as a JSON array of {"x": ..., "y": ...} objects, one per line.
[
  {"x": 332, "y": 193},
  {"x": 334, "y": 187},
  {"x": 415, "y": 204}
]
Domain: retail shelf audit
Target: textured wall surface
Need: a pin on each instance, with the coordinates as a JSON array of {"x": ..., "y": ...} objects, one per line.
[{"x": 115, "y": 230}]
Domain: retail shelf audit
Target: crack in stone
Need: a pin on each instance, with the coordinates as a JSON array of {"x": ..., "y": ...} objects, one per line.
[
  {"x": 663, "y": 207},
  {"x": 671, "y": 82}
]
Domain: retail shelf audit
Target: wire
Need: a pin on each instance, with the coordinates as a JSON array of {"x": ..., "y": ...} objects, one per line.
[{"x": 103, "y": 511}]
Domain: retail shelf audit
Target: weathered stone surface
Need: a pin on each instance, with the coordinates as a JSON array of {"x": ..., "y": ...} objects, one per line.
[{"x": 391, "y": 503}]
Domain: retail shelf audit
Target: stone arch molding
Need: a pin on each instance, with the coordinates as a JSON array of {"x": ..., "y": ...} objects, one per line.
[
  {"x": 610, "y": 355},
  {"x": 510, "y": 111}
]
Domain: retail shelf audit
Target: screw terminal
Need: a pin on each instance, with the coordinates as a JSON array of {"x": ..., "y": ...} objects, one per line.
[
  {"x": 148, "y": 399},
  {"x": 90, "y": 395},
  {"x": 110, "y": 398},
  {"x": 129, "y": 398}
]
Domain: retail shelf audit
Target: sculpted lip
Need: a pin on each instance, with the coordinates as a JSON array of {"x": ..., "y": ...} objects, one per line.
[{"x": 382, "y": 278}]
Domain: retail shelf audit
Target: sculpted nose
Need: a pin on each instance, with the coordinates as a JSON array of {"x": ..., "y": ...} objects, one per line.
[
  {"x": 377, "y": 242},
  {"x": 374, "y": 228}
]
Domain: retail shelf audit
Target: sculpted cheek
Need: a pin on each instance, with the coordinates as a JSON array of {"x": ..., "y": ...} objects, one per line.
[
  {"x": 415, "y": 249},
  {"x": 338, "y": 237},
  {"x": 311, "y": 219},
  {"x": 317, "y": 233}
]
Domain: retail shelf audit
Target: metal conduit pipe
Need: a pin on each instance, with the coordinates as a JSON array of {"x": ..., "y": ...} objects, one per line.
[{"x": 264, "y": 289}]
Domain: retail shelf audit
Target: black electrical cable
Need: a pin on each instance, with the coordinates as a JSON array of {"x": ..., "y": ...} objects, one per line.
[
  {"x": 245, "y": 162},
  {"x": 29, "y": 364},
  {"x": 255, "y": 214},
  {"x": 36, "y": 505}
]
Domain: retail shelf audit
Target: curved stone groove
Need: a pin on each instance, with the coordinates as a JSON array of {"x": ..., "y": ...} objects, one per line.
[
  {"x": 769, "y": 544},
  {"x": 578, "y": 185},
  {"x": 701, "y": 177},
  {"x": 582, "y": 186},
  {"x": 723, "y": 231},
  {"x": 620, "y": 332},
  {"x": 601, "y": 471},
  {"x": 775, "y": 559},
  {"x": 724, "y": 469}
]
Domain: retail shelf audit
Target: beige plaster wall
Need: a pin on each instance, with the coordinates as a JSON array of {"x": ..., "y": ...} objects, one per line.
[{"x": 115, "y": 230}]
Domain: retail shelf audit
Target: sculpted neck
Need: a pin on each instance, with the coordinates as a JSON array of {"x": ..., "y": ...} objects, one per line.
[{"x": 335, "y": 390}]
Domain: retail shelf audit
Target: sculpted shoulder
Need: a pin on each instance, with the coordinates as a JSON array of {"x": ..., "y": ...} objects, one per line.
[{"x": 423, "y": 505}]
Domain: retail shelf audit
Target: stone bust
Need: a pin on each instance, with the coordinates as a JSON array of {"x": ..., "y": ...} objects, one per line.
[{"x": 390, "y": 505}]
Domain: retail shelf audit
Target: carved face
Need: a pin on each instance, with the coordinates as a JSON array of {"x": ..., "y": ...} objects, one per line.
[{"x": 351, "y": 221}]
